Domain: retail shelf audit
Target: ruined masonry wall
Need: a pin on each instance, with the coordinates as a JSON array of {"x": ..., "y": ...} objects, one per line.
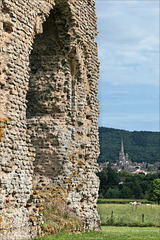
[{"x": 48, "y": 111}]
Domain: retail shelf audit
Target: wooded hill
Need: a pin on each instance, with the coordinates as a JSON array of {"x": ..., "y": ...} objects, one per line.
[{"x": 142, "y": 146}]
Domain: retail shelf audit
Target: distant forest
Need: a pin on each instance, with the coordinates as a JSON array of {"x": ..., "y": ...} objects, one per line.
[{"x": 142, "y": 146}]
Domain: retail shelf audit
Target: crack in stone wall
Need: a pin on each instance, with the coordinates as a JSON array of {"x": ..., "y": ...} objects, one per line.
[{"x": 48, "y": 111}]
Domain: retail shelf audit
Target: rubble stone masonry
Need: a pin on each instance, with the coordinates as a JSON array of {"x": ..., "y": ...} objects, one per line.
[{"x": 48, "y": 111}]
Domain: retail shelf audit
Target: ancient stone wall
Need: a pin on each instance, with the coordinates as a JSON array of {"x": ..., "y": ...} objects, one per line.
[{"x": 48, "y": 111}]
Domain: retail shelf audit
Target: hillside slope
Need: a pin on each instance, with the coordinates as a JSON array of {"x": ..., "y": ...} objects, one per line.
[{"x": 143, "y": 146}]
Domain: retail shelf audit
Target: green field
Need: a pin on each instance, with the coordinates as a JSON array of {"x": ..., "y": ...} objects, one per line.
[
  {"x": 125, "y": 215},
  {"x": 121, "y": 201},
  {"x": 121, "y": 222},
  {"x": 113, "y": 233}
]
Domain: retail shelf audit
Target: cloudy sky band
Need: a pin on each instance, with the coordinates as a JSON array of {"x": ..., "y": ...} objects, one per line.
[{"x": 128, "y": 44}]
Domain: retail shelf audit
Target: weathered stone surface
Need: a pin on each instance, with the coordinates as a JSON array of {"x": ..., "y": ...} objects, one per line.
[{"x": 48, "y": 111}]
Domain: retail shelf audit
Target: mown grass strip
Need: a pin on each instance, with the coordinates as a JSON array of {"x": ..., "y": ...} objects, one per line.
[
  {"x": 112, "y": 233},
  {"x": 122, "y": 201}
]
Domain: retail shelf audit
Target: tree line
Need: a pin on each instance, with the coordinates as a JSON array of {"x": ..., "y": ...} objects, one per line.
[
  {"x": 142, "y": 146},
  {"x": 123, "y": 184}
]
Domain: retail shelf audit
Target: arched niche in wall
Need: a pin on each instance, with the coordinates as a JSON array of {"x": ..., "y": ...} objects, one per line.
[{"x": 49, "y": 91}]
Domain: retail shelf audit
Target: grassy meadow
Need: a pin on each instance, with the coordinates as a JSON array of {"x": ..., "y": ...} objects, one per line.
[
  {"x": 121, "y": 222},
  {"x": 126, "y": 215}
]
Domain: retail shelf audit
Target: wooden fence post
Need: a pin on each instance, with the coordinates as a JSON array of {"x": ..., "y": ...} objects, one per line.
[{"x": 112, "y": 215}]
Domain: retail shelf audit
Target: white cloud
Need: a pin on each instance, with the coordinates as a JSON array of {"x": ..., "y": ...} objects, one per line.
[
  {"x": 128, "y": 41},
  {"x": 150, "y": 43}
]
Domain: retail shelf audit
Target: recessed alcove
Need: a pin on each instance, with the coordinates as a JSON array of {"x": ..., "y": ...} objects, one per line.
[{"x": 47, "y": 95}]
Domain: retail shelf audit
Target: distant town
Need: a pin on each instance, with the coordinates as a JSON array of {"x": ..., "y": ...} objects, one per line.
[{"x": 125, "y": 163}]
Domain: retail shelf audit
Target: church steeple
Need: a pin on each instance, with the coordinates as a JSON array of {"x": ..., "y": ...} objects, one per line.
[
  {"x": 123, "y": 160},
  {"x": 121, "y": 154},
  {"x": 122, "y": 147}
]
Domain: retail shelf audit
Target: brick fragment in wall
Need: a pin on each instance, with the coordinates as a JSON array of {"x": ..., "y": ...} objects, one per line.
[{"x": 48, "y": 110}]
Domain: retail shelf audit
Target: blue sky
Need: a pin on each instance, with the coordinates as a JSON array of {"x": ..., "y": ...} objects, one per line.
[{"x": 128, "y": 46}]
